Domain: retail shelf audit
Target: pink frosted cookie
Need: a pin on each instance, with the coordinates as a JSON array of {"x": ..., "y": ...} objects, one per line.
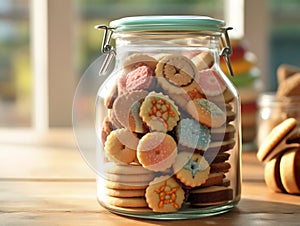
[
  {"x": 140, "y": 78},
  {"x": 210, "y": 82},
  {"x": 156, "y": 151}
]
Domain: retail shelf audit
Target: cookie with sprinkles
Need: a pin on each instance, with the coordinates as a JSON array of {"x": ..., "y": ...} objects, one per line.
[
  {"x": 164, "y": 195},
  {"x": 159, "y": 112},
  {"x": 190, "y": 133}
]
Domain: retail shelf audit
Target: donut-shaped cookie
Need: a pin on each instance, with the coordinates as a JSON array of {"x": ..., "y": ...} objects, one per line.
[
  {"x": 156, "y": 151},
  {"x": 120, "y": 146}
]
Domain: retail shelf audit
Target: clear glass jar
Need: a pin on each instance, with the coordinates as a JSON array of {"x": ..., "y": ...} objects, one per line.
[
  {"x": 167, "y": 120},
  {"x": 273, "y": 110}
]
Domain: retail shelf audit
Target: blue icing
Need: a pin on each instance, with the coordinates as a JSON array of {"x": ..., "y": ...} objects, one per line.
[
  {"x": 193, "y": 134},
  {"x": 193, "y": 166}
]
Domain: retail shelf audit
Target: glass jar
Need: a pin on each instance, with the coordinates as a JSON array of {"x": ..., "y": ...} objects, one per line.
[
  {"x": 273, "y": 110},
  {"x": 167, "y": 120}
]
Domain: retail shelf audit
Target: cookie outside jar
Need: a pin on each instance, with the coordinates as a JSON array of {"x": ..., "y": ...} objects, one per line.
[{"x": 168, "y": 120}]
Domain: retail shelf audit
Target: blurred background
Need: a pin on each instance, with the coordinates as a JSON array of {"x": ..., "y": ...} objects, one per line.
[{"x": 46, "y": 45}]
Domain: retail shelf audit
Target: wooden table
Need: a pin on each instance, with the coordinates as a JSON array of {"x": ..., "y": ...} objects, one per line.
[{"x": 45, "y": 181}]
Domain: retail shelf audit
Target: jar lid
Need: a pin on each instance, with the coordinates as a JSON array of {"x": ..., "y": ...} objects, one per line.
[{"x": 162, "y": 23}]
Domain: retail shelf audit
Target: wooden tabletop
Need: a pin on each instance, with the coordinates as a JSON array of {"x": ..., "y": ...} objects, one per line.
[{"x": 45, "y": 181}]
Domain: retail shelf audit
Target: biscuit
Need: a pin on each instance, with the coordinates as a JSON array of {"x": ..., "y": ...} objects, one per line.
[
  {"x": 290, "y": 170},
  {"x": 289, "y": 87},
  {"x": 192, "y": 134},
  {"x": 223, "y": 133},
  {"x": 126, "y": 109},
  {"x": 159, "y": 112},
  {"x": 220, "y": 167},
  {"x": 211, "y": 195},
  {"x": 284, "y": 71},
  {"x": 106, "y": 129},
  {"x": 137, "y": 59},
  {"x": 125, "y": 202},
  {"x": 210, "y": 82},
  {"x": 140, "y": 78},
  {"x": 272, "y": 175},
  {"x": 124, "y": 186},
  {"x": 156, "y": 151},
  {"x": 113, "y": 168},
  {"x": 278, "y": 134},
  {"x": 220, "y": 146},
  {"x": 164, "y": 195},
  {"x": 123, "y": 193},
  {"x": 109, "y": 100},
  {"x": 203, "y": 60},
  {"x": 206, "y": 112},
  {"x": 120, "y": 146},
  {"x": 192, "y": 170}
]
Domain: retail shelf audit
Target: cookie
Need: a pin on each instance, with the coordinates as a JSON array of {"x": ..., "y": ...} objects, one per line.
[
  {"x": 130, "y": 179},
  {"x": 140, "y": 78},
  {"x": 164, "y": 195},
  {"x": 126, "y": 109},
  {"x": 113, "y": 168},
  {"x": 109, "y": 100},
  {"x": 284, "y": 71},
  {"x": 124, "y": 186},
  {"x": 125, "y": 202},
  {"x": 221, "y": 146},
  {"x": 289, "y": 87},
  {"x": 156, "y": 151},
  {"x": 120, "y": 146},
  {"x": 159, "y": 112},
  {"x": 211, "y": 195},
  {"x": 272, "y": 175},
  {"x": 173, "y": 71},
  {"x": 290, "y": 170},
  {"x": 210, "y": 82},
  {"x": 123, "y": 193},
  {"x": 106, "y": 129},
  {"x": 137, "y": 59},
  {"x": 278, "y": 134},
  {"x": 192, "y": 170},
  {"x": 219, "y": 167},
  {"x": 203, "y": 60},
  {"x": 223, "y": 133},
  {"x": 190, "y": 133},
  {"x": 214, "y": 179},
  {"x": 206, "y": 112}
]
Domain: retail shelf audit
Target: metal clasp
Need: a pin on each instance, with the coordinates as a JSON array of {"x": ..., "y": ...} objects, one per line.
[
  {"x": 106, "y": 48},
  {"x": 226, "y": 51}
]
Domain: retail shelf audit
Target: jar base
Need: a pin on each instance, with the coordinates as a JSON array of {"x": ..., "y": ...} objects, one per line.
[{"x": 185, "y": 212}]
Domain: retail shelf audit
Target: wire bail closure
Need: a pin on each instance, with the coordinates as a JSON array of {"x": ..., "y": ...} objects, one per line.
[
  {"x": 106, "y": 48},
  {"x": 226, "y": 51}
]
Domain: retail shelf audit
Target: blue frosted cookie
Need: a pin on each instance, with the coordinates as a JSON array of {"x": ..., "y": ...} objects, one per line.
[{"x": 192, "y": 134}]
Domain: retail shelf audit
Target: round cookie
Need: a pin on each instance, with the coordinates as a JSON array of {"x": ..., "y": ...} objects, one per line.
[
  {"x": 113, "y": 168},
  {"x": 138, "y": 59},
  {"x": 206, "y": 112},
  {"x": 223, "y": 133},
  {"x": 203, "y": 60},
  {"x": 159, "y": 112},
  {"x": 164, "y": 195},
  {"x": 192, "y": 170},
  {"x": 290, "y": 171},
  {"x": 211, "y": 195},
  {"x": 126, "y": 109},
  {"x": 124, "y": 193},
  {"x": 278, "y": 133},
  {"x": 210, "y": 83},
  {"x": 190, "y": 133},
  {"x": 175, "y": 71},
  {"x": 289, "y": 87},
  {"x": 140, "y": 78},
  {"x": 125, "y": 202},
  {"x": 272, "y": 175},
  {"x": 156, "y": 151},
  {"x": 120, "y": 146}
]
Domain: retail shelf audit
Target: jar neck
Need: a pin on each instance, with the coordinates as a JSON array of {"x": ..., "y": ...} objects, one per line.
[{"x": 168, "y": 39}]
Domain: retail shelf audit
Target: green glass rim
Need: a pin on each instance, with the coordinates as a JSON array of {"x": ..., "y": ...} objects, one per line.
[{"x": 167, "y": 23}]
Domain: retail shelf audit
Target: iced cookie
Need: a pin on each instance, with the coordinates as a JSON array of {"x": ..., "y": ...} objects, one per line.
[
  {"x": 156, "y": 151},
  {"x": 159, "y": 112},
  {"x": 210, "y": 82},
  {"x": 120, "y": 146},
  {"x": 164, "y": 195},
  {"x": 206, "y": 112},
  {"x": 190, "y": 133},
  {"x": 191, "y": 170},
  {"x": 140, "y": 78},
  {"x": 126, "y": 108},
  {"x": 173, "y": 71}
]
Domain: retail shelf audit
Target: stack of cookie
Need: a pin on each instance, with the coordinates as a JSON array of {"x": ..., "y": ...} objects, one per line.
[
  {"x": 281, "y": 153},
  {"x": 169, "y": 134}
]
